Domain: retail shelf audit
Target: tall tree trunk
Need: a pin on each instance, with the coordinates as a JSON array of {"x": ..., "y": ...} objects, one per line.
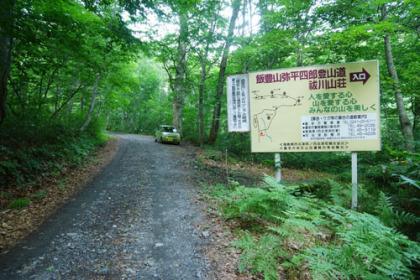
[
  {"x": 70, "y": 107},
  {"x": 201, "y": 100},
  {"x": 201, "y": 97},
  {"x": 6, "y": 46},
  {"x": 177, "y": 108},
  {"x": 107, "y": 119},
  {"x": 221, "y": 81},
  {"x": 92, "y": 101},
  {"x": 201, "y": 87},
  {"x": 416, "y": 112},
  {"x": 122, "y": 120},
  {"x": 95, "y": 89},
  {"x": 405, "y": 123},
  {"x": 181, "y": 66},
  {"x": 133, "y": 119}
]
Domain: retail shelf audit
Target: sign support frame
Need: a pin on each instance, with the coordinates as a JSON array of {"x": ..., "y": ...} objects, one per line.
[
  {"x": 277, "y": 162},
  {"x": 354, "y": 180}
]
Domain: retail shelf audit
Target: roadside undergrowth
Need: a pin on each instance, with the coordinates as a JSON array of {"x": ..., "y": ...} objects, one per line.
[
  {"x": 40, "y": 170},
  {"x": 286, "y": 233},
  {"x": 304, "y": 229}
]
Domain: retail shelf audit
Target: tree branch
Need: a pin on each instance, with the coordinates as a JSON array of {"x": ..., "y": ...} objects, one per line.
[{"x": 67, "y": 101}]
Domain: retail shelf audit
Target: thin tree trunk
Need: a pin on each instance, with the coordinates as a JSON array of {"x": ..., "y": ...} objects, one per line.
[
  {"x": 70, "y": 107},
  {"x": 250, "y": 18},
  {"x": 221, "y": 81},
  {"x": 92, "y": 101},
  {"x": 82, "y": 103},
  {"x": 122, "y": 120},
  {"x": 405, "y": 123},
  {"x": 201, "y": 100},
  {"x": 95, "y": 91},
  {"x": 50, "y": 82},
  {"x": 107, "y": 119},
  {"x": 416, "y": 112},
  {"x": 6, "y": 46},
  {"x": 201, "y": 110},
  {"x": 133, "y": 119},
  {"x": 57, "y": 91}
]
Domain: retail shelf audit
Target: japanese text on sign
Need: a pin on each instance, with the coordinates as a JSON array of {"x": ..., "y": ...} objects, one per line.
[
  {"x": 238, "y": 105},
  {"x": 319, "y": 78},
  {"x": 336, "y": 102},
  {"x": 332, "y": 146},
  {"x": 339, "y": 127}
]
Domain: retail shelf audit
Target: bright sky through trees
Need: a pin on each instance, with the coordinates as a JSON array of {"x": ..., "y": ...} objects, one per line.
[{"x": 154, "y": 27}]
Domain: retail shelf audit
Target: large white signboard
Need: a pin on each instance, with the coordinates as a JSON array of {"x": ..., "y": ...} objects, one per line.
[
  {"x": 238, "y": 103},
  {"x": 316, "y": 108}
]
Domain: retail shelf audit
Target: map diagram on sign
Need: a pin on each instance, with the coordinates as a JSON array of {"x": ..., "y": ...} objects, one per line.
[
  {"x": 263, "y": 120},
  {"x": 319, "y": 108}
]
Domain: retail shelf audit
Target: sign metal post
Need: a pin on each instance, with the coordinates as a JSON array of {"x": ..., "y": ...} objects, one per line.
[
  {"x": 354, "y": 180},
  {"x": 278, "y": 167}
]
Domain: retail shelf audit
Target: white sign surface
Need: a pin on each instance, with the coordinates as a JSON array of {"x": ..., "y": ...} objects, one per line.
[{"x": 238, "y": 103}]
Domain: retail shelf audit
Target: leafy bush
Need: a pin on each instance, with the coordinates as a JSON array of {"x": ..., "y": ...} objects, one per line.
[
  {"x": 391, "y": 217},
  {"x": 397, "y": 209},
  {"x": 31, "y": 150},
  {"x": 398, "y": 180},
  {"x": 305, "y": 233},
  {"x": 330, "y": 162}
]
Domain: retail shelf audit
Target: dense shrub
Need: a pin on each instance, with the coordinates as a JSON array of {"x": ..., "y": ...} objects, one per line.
[{"x": 32, "y": 148}]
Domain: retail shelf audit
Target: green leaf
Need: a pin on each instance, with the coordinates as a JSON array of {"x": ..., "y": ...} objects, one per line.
[{"x": 410, "y": 181}]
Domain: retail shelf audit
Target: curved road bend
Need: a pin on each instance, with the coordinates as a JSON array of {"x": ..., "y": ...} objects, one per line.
[{"x": 136, "y": 220}]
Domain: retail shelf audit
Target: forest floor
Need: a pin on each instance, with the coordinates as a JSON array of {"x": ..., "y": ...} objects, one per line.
[{"x": 146, "y": 217}]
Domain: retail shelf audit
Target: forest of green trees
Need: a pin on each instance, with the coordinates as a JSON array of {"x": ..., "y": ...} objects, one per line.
[
  {"x": 70, "y": 69},
  {"x": 80, "y": 59}
]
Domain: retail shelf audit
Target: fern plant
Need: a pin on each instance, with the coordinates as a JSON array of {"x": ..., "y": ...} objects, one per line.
[
  {"x": 340, "y": 194},
  {"x": 332, "y": 242},
  {"x": 364, "y": 248},
  {"x": 261, "y": 255},
  {"x": 390, "y": 217},
  {"x": 268, "y": 203}
]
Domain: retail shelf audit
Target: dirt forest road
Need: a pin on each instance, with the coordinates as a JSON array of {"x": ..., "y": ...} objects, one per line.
[{"x": 138, "y": 219}]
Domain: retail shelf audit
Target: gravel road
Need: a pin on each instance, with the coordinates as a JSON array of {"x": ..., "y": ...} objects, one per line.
[{"x": 137, "y": 220}]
